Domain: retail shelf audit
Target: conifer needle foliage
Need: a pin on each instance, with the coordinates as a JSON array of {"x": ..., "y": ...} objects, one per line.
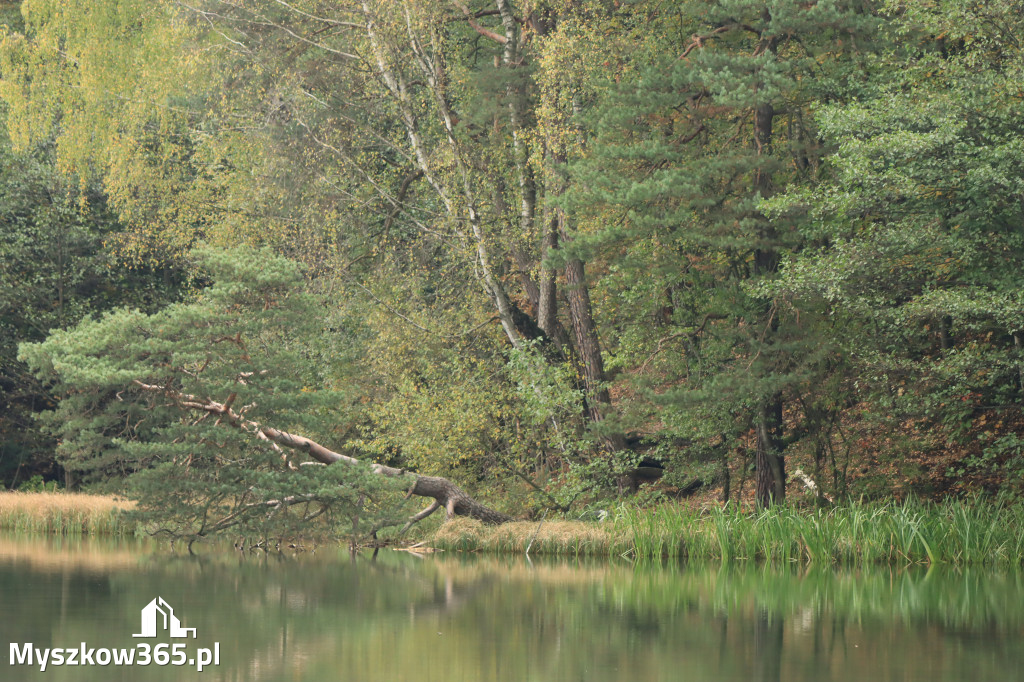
[{"x": 135, "y": 387}]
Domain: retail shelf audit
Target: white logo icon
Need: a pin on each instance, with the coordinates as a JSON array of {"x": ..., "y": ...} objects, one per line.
[{"x": 170, "y": 621}]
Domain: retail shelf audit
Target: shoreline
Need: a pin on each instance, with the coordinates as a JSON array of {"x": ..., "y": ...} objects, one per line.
[{"x": 954, "y": 532}]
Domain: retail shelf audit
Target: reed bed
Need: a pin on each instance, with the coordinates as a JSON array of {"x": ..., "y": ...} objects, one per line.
[
  {"x": 956, "y": 532},
  {"x": 64, "y": 514}
]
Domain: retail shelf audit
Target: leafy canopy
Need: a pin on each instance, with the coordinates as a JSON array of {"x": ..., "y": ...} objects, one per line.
[{"x": 138, "y": 390}]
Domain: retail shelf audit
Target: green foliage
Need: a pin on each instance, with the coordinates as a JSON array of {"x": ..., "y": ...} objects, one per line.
[
  {"x": 37, "y": 485},
  {"x": 683, "y": 155},
  {"x": 54, "y": 271},
  {"x": 799, "y": 224},
  {"x": 103, "y": 82},
  {"x": 548, "y": 406},
  {"x": 915, "y": 274},
  {"x": 139, "y": 389}
]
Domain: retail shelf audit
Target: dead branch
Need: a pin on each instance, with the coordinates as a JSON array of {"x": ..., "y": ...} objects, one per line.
[{"x": 471, "y": 19}]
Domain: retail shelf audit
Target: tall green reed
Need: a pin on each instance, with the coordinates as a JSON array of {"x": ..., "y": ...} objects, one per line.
[{"x": 959, "y": 532}]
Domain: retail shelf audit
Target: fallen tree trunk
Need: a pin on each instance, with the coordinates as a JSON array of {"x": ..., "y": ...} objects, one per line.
[{"x": 446, "y": 495}]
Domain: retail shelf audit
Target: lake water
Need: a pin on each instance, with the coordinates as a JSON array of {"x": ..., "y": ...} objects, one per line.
[{"x": 445, "y": 617}]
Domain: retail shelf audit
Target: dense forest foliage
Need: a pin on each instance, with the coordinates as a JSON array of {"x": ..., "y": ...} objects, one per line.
[{"x": 544, "y": 249}]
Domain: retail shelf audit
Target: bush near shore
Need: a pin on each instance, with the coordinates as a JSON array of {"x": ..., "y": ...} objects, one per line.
[
  {"x": 65, "y": 513},
  {"x": 957, "y": 532}
]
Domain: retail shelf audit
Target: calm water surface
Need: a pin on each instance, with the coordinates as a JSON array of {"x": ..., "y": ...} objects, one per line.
[{"x": 330, "y": 616}]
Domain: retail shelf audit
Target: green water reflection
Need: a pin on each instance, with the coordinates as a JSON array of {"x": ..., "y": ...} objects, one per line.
[{"x": 329, "y": 616}]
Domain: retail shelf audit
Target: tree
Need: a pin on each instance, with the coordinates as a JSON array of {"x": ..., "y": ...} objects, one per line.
[
  {"x": 54, "y": 270},
  {"x": 685, "y": 152},
  {"x": 201, "y": 403},
  {"x": 917, "y": 243},
  {"x": 360, "y": 138},
  {"x": 542, "y": 227}
]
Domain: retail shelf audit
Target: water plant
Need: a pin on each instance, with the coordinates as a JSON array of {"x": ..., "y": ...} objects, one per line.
[
  {"x": 954, "y": 531},
  {"x": 957, "y": 532}
]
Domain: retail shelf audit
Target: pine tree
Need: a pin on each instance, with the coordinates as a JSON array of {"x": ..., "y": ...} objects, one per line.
[
  {"x": 687, "y": 151},
  {"x": 918, "y": 251},
  {"x": 202, "y": 404}
]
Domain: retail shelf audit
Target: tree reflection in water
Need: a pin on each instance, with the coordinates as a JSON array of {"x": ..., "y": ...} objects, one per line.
[{"x": 331, "y": 615}]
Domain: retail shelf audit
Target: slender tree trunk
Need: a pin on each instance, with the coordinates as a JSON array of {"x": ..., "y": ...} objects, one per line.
[
  {"x": 726, "y": 475},
  {"x": 435, "y": 77},
  {"x": 543, "y": 293},
  {"x": 1018, "y": 342},
  {"x": 547, "y": 307},
  {"x": 586, "y": 338},
  {"x": 61, "y": 320},
  {"x": 945, "y": 332}
]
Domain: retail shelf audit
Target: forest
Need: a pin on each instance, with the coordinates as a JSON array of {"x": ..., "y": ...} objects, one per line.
[{"x": 518, "y": 257}]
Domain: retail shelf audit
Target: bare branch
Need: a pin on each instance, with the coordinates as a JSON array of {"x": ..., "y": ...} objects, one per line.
[
  {"x": 697, "y": 40},
  {"x": 416, "y": 518},
  {"x": 332, "y": 22},
  {"x": 471, "y": 18}
]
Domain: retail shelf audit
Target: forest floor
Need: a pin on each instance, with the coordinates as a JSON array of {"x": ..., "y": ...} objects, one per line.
[{"x": 869, "y": 459}]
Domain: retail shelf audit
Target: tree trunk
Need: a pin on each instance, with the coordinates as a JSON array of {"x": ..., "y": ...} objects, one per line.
[
  {"x": 547, "y": 306},
  {"x": 434, "y": 76},
  {"x": 771, "y": 466},
  {"x": 1018, "y": 342},
  {"x": 586, "y": 339},
  {"x": 446, "y": 495},
  {"x": 726, "y": 476},
  {"x": 771, "y": 475},
  {"x": 584, "y": 330}
]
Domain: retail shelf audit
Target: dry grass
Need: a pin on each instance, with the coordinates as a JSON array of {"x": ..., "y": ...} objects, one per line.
[
  {"x": 64, "y": 513},
  {"x": 574, "y": 538}
]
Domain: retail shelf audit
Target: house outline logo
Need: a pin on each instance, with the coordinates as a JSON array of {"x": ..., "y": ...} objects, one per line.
[{"x": 158, "y": 612}]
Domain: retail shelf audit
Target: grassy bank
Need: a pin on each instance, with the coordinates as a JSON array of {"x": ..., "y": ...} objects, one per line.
[
  {"x": 562, "y": 538},
  {"x": 64, "y": 514},
  {"x": 956, "y": 532},
  {"x": 952, "y": 532}
]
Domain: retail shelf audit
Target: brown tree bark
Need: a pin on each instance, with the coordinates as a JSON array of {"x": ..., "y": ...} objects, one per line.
[
  {"x": 771, "y": 466},
  {"x": 585, "y": 333},
  {"x": 587, "y": 346},
  {"x": 446, "y": 495},
  {"x": 547, "y": 306}
]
